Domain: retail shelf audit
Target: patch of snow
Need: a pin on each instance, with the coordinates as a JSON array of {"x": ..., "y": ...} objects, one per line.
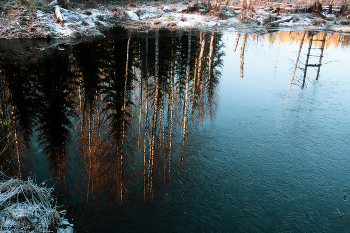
[
  {"x": 39, "y": 13},
  {"x": 188, "y": 20},
  {"x": 68, "y": 228},
  {"x": 132, "y": 15},
  {"x": 234, "y": 20},
  {"x": 180, "y": 9},
  {"x": 64, "y": 31},
  {"x": 342, "y": 29}
]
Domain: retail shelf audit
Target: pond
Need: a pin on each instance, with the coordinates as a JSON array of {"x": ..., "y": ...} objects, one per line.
[{"x": 184, "y": 132}]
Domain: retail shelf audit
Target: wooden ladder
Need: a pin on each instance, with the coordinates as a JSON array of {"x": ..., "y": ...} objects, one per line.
[{"x": 307, "y": 64}]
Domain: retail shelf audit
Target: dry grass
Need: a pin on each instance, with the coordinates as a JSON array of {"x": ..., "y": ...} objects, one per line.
[{"x": 26, "y": 207}]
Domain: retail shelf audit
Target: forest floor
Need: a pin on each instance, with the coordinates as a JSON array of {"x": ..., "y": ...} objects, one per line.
[{"x": 94, "y": 19}]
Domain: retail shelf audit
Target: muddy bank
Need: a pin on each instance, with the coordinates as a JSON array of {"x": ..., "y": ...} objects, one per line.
[{"x": 80, "y": 22}]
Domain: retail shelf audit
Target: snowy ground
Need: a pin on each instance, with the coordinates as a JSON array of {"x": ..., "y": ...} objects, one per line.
[{"x": 78, "y": 23}]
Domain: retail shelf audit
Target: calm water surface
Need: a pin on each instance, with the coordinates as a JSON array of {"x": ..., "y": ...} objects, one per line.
[{"x": 199, "y": 132}]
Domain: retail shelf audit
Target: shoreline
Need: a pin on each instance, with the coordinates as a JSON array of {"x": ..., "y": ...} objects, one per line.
[{"x": 78, "y": 23}]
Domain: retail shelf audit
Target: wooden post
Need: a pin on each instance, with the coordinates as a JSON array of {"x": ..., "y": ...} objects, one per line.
[{"x": 296, "y": 63}]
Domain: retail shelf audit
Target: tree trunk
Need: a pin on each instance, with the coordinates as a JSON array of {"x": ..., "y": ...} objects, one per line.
[
  {"x": 170, "y": 113},
  {"x": 210, "y": 76},
  {"x": 154, "y": 118},
  {"x": 140, "y": 113},
  {"x": 145, "y": 119},
  {"x": 242, "y": 52},
  {"x": 211, "y": 49},
  {"x": 208, "y": 6},
  {"x": 184, "y": 121},
  {"x": 330, "y": 7},
  {"x": 236, "y": 43},
  {"x": 200, "y": 58}
]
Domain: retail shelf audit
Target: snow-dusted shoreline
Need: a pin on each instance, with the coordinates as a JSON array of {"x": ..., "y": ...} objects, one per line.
[{"x": 79, "y": 23}]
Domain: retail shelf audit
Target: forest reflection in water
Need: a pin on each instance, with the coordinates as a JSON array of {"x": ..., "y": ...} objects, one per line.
[
  {"x": 124, "y": 102},
  {"x": 112, "y": 115}
]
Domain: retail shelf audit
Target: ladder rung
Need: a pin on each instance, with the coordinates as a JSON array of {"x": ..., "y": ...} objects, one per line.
[{"x": 314, "y": 65}]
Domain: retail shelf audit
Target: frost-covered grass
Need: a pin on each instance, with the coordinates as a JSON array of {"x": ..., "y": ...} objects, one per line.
[{"x": 26, "y": 207}]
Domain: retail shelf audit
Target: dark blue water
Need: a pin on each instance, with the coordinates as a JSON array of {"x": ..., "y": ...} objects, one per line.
[{"x": 172, "y": 144}]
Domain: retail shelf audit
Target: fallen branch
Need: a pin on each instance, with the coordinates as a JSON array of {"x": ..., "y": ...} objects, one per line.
[
  {"x": 277, "y": 22},
  {"x": 58, "y": 14}
]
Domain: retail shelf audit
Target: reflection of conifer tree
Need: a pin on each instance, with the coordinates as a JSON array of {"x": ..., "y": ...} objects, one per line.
[
  {"x": 146, "y": 126},
  {"x": 117, "y": 99},
  {"x": 198, "y": 76},
  {"x": 166, "y": 47},
  {"x": 23, "y": 97},
  {"x": 181, "y": 65},
  {"x": 168, "y": 150},
  {"x": 115, "y": 89},
  {"x": 215, "y": 62},
  {"x": 154, "y": 120},
  {"x": 90, "y": 60},
  {"x": 7, "y": 153},
  {"x": 21, "y": 104},
  {"x": 55, "y": 84}
]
